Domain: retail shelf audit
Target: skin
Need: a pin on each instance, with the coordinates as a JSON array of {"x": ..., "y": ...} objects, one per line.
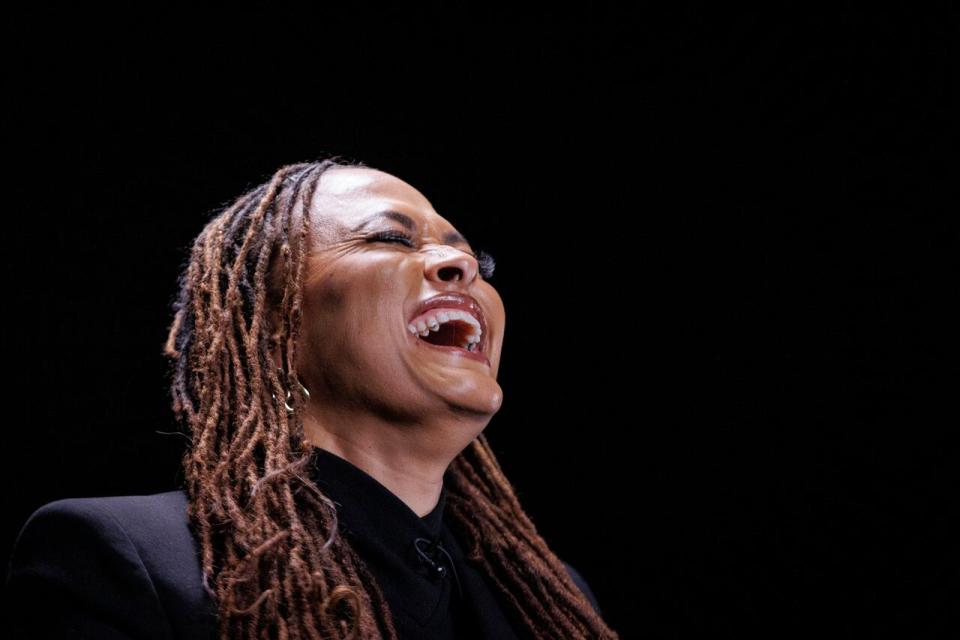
[{"x": 379, "y": 398}]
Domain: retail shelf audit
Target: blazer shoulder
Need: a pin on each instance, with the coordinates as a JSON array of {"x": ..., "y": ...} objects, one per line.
[
  {"x": 124, "y": 563},
  {"x": 75, "y": 570},
  {"x": 160, "y": 510},
  {"x": 152, "y": 529},
  {"x": 113, "y": 521},
  {"x": 583, "y": 585},
  {"x": 121, "y": 506}
]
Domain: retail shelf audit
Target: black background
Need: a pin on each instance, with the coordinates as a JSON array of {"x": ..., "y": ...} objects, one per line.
[{"x": 726, "y": 241}]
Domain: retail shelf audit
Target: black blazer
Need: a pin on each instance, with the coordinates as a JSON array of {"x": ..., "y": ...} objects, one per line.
[{"x": 116, "y": 567}]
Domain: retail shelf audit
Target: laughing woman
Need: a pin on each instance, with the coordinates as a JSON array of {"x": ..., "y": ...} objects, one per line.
[{"x": 334, "y": 355}]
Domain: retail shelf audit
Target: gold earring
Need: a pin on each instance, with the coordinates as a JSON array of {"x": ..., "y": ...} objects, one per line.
[{"x": 286, "y": 402}]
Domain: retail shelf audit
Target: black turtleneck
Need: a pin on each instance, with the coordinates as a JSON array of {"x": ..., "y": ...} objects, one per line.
[{"x": 417, "y": 561}]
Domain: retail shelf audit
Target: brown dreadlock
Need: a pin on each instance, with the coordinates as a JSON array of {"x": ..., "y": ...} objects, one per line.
[{"x": 267, "y": 534}]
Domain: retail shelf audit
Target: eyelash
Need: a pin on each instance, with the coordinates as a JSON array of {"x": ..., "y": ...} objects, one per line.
[{"x": 484, "y": 259}]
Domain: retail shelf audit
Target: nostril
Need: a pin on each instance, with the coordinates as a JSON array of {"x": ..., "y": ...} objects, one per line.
[{"x": 450, "y": 273}]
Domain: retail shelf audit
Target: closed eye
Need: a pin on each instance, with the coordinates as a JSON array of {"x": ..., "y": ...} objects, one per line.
[
  {"x": 392, "y": 236},
  {"x": 486, "y": 262}
]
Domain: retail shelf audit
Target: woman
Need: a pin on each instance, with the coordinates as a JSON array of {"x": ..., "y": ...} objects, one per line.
[{"x": 334, "y": 349}]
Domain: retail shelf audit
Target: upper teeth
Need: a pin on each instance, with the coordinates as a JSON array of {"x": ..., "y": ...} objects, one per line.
[{"x": 431, "y": 321}]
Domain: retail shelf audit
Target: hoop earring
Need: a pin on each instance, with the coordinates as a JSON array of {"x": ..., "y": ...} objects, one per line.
[{"x": 286, "y": 402}]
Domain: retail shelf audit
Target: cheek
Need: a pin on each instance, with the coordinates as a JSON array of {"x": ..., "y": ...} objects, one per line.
[
  {"x": 353, "y": 313},
  {"x": 494, "y": 304}
]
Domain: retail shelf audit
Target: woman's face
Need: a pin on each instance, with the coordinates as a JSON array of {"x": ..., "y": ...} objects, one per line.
[{"x": 365, "y": 290}]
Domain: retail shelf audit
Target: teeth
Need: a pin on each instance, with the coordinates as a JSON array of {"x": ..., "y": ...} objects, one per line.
[
  {"x": 425, "y": 325},
  {"x": 473, "y": 342},
  {"x": 460, "y": 315}
]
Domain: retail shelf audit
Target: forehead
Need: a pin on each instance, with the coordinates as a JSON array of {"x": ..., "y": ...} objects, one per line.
[{"x": 347, "y": 197}]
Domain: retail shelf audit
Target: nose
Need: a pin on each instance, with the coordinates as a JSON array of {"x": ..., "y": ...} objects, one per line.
[{"x": 448, "y": 264}]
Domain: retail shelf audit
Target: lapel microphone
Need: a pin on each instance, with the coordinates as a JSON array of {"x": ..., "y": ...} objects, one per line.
[{"x": 432, "y": 557}]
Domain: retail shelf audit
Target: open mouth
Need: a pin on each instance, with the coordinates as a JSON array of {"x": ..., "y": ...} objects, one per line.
[{"x": 452, "y": 330}]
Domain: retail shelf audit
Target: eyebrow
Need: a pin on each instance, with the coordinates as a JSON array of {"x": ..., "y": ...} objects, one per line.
[{"x": 451, "y": 237}]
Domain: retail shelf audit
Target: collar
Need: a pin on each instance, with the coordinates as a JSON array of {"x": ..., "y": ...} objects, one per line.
[{"x": 386, "y": 533}]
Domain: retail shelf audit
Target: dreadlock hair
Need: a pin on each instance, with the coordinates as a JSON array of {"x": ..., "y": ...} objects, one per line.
[{"x": 272, "y": 559}]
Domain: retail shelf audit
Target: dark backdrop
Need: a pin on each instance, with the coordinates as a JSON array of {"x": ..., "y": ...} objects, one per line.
[{"x": 726, "y": 242}]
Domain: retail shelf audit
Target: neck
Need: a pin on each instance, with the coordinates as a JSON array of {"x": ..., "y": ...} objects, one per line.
[{"x": 408, "y": 459}]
